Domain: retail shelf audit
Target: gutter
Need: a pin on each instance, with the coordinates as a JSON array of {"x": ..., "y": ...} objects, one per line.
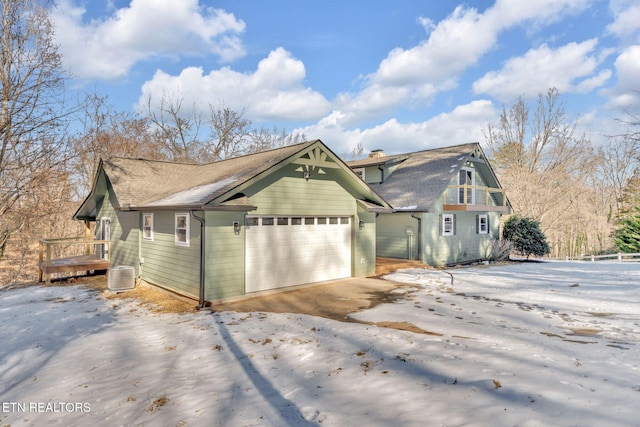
[
  {"x": 419, "y": 235},
  {"x": 228, "y": 208},
  {"x": 202, "y": 258}
]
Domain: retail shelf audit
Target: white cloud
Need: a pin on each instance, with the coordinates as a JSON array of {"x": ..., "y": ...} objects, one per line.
[
  {"x": 597, "y": 127},
  {"x": 535, "y": 13},
  {"x": 569, "y": 68},
  {"x": 463, "y": 124},
  {"x": 275, "y": 91},
  {"x": 626, "y": 94},
  {"x": 372, "y": 99},
  {"x": 454, "y": 44},
  {"x": 417, "y": 74},
  {"x": 627, "y": 16},
  {"x": 591, "y": 83},
  {"x": 457, "y": 42},
  {"x": 109, "y": 47}
]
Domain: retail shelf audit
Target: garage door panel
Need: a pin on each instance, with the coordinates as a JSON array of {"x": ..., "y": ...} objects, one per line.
[{"x": 287, "y": 255}]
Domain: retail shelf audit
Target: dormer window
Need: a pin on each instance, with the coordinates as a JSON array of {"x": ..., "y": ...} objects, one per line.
[{"x": 466, "y": 196}]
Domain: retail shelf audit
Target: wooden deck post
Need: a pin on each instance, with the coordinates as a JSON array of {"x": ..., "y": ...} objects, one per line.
[
  {"x": 87, "y": 235},
  {"x": 40, "y": 259},
  {"x": 48, "y": 263}
]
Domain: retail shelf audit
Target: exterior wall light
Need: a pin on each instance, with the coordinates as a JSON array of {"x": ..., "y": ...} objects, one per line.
[
  {"x": 236, "y": 227},
  {"x": 361, "y": 224}
]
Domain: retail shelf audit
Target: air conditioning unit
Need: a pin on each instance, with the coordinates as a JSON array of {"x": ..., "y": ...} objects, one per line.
[{"x": 121, "y": 278}]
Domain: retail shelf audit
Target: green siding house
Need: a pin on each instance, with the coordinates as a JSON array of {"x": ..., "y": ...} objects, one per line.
[
  {"x": 447, "y": 204},
  {"x": 278, "y": 218}
]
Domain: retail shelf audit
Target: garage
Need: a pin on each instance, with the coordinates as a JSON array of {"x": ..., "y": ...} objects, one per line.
[{"x": 284, "y": 251}]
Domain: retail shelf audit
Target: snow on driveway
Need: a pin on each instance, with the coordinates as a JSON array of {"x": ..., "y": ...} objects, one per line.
[{"x": 521, "y": 344}]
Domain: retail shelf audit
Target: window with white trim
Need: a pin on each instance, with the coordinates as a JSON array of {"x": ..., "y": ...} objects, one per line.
[
  {"x": 182, "y": 229},
  {"x": 147, "y": 226},
  {"x": 483, "y": 224},
  {"x": 448, "y": 225},
  {"x": 360, "y": 173},
  {"x": 466, "y": 195}
]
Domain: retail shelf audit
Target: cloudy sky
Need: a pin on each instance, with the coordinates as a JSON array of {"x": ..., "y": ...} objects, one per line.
[{"x": 395, "y": 75}]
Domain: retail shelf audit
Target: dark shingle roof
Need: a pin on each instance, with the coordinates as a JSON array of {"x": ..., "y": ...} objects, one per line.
[
  {"x": 373, "y": 161},
  {"x": 420, "y": 179},
  {"x": 139, "y": 182}
]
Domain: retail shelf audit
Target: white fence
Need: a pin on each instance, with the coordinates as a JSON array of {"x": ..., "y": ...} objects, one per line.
[{"x": 615, "y": 257}]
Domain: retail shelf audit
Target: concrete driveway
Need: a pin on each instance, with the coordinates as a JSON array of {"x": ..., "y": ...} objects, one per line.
[{"x": 334, "y": 299}]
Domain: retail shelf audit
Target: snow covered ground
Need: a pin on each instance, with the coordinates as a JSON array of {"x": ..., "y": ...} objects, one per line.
[{"x": 528, "y": 344}]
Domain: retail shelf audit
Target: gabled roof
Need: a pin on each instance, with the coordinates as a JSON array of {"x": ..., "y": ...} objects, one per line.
[
  {"x": 421, "y": 177},
  {"x": 140, "y": 183}
]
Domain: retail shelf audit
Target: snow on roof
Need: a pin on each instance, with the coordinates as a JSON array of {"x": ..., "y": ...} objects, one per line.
[{"x": 195, "y": 194}]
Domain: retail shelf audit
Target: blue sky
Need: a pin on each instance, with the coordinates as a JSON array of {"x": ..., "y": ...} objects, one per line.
[{"x": 395, "y": 75}]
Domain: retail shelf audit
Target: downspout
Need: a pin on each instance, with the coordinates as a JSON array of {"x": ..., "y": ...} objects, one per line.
[
  {"x": 419, "y": 235},
  {"x": 202, "y": 259},
  {"x": 381, "y": 169}
]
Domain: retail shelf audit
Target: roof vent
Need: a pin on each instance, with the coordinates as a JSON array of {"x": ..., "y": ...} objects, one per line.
[{"x": 376, "y": 153}]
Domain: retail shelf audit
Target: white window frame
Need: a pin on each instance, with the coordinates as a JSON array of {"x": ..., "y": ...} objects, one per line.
[
  {"x": 186, "y": 228},
  {"x": 360, "y": 172},
  {"x": 473, "y": 190},
  {"x": 484, "y": 217},
  {"x": 144, "y": 226},
  {"x": 104, "y": 233},
  {"x": 451, "y": 231}
]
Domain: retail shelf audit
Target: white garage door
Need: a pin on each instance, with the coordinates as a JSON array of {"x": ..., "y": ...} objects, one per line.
[{"x": 285, "y": 251}]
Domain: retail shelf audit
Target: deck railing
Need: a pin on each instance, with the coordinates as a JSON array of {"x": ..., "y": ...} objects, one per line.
[
  {"x": 475, "y": 198},
  {"x": 71, "y": 254}
]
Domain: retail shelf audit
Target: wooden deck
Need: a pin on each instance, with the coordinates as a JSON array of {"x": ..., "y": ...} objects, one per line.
[
  {"x": 89, "y": 261},
  {"x": 72, "y": 264},
  {"x": 389, "y": 265}
]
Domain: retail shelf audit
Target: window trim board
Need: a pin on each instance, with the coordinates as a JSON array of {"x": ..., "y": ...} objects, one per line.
[{"x": 187, "y": 229}]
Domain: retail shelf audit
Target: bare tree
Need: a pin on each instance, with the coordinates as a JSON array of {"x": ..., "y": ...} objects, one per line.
[
  {"x": 267, "y": 139},
  {"x": 616, "y": 164},
  {"x": 631, "y": 121},
  {"x": 542, "y": 163},
  {"x": 105, "y": 133},
  {"x": 541, "y": 142},
  {"x": 357, "y": 151},
  {"x": 231, "y": 135},
  {"x": 188, "y": 134},
  {"x": 228, "y": 134},
  {"x": 33, "y": 154},
  {"x": 176, "y": 128}
]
